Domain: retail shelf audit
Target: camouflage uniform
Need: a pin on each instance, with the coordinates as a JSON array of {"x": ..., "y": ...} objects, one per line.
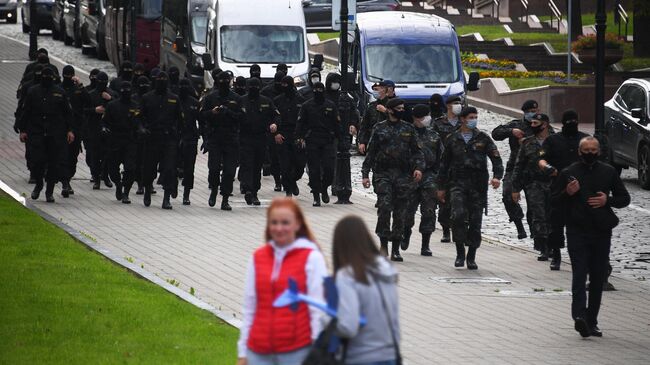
[
  {"x": 527, "y": 175},
  {"x": 393, "y": 154},
  {"x": 464, "y": 175},
  {"x": 425, "y": 195},
  {"x": 444, "y": 129},
  {"x": 370, "y": 118}
]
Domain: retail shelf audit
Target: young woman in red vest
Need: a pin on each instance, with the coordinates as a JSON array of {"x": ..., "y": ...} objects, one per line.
[{"x": 281, "y": 336}]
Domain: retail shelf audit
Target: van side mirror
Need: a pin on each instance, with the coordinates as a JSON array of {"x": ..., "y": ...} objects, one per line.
[
  {"x": 208, "y": 64},
  {"x": 179, "y": 45},
  {"x": 473, "y": 82},
  {"x": 640, "y": 114},
  {"x": 306, "y": 3}
]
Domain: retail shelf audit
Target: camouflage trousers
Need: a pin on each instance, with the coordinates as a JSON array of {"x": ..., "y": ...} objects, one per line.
[
  {"x": 393, "y": 188},
  {"x": 538, "y": 199},
  {"x": 467, "y": 206},
  {"x": 424, "y": 197},
  {"x": 515, "y": 213}
]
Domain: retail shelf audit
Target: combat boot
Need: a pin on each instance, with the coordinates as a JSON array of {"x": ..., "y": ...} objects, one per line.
[
  {"x": 175, "y": 191},
  {"x": 140, "y": 190},
  {"x": 125, "y": 196},
  {"x": 521, "y": 231},
  {"x": 248, "y": 197},
  {"x": 147, "y": 196},
  {"x": 446, "y": 235},
  {"x": 394, "y": 255},
  {"x": 471, "y": 258},
  {"x": 186, "y": 196},
  {"x": 296, "y": 190},
  {"x": 118, "y": 191},
  {"x": 256, "y": 201},
  {"x": 49, "y": 192},
  {"x": 277, "y": 187},
  {"x": 406, "y": 241},
  {"x": 166, "y": 204},
  {"x": 425, "y": 251},
  {"x": 96, "y": 183},
  {"x": 556, "y": 259},
  {"x": 540, "y": 245},
  {"x": 224, "y": 204},
  {"x": 107, "y": 182},
  {"x": 325, "y": 196},
  {"x": 37, "y": 190},
  {"x": 66, "y": 190},
  {"x": 316, "y": 202},
  {"x": 212, "y": 200},
  {"x": 460, "y": 255},
  {"x": 383, "y": 249}
]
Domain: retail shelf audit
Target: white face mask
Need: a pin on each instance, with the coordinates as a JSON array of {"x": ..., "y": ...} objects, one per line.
[
  {"x": 456, "y": 109},
  {"x": 426, "y": 122},
  {"x": 315, "y": 80},
  {"x": 335, "y": 86}
]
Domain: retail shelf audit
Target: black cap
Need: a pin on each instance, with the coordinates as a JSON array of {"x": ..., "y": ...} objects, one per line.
[
  {"x": 223, "y": 76},
  {"x": 94, "y": 72},
  {"x": 143, "y": 80},
  {"x": 240, "y": 81},
  {"x": 288, "y": 80},
  {"x": 453, "y": 99},
  {"x": 314, "y": 71},
  {"x": 282, "y": 67},
  {"x": 125, "y": 85},
  {"x": 541, "y": 117},
  {"x": 102, "y": 76},
  {"x": 319, "y": 85},
  {"x": 387, "y": 83},
  {"x": 436, "y": 99},
  {"x": 68, "y": 70},
  {"x": 394, "y": 102},
  {"x": 467, "y": 111},
  {"x": 255, "y": 67},
  {"x": 529, "y": 104},
  {"x": 568, "y": 115},
  {"x": 421, "y": 111}
]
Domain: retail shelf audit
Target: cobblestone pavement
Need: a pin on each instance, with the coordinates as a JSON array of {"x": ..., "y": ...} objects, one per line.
[{"x": 522, "y": 317}]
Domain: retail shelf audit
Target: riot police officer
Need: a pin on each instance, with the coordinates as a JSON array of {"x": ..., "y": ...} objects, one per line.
[
  {"x": 125, "y": 74},
  {"x": 189, "y": 135},
  {"x": 94, "y": 141}
]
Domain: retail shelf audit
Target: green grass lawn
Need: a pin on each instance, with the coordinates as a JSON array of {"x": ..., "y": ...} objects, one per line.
[
  {"x": 323, "y": 36},
  {"x": 590, "y": 19},
  {"x": 522, "y": 83},
  {"x": 63, "y": 304}
]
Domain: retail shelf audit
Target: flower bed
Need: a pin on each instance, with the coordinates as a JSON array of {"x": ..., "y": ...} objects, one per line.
[
  {"x": 554, "y": 76},
  {"x": 470, "y": 60}
]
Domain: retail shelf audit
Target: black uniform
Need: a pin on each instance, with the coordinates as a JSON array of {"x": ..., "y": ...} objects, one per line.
[
  {"x": 272, "y": 158},
  {"x": 47, "y": 119},
  {"x": 93, "y": 139},
  {"x": 189, "y": 136},
  {"x": 292, "y": 157},
  {"x": 20, "y": 109},
  {"x": 318, "y": 126},
  {"x": 79, "y": 100}
]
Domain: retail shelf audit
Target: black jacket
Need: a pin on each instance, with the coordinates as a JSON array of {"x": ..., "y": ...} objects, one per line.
[
  {"x": 260, "y": 113},
  {"x": 580, "y": 217},
  {"x": 289, "y": 106},
  {"x": 191, "y": 123},
  {"x": 161, "y": 113},
  {"x": 122, "y": 118},
  {"x": 318, "y": 122},
  {"x": 561, "y": 150},
  {"x": 93, "y": 119},
  {"x": 79, "y": 101},
  {"x": 223, "y": 126},
  {"x": 46, "y": 112}
]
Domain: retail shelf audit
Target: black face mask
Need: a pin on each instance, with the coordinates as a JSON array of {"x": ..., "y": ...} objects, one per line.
[
  {"x": 256, "y": 75},
  {"x": 43, "y": 59},
  {"x": 67, "y": 81},
  {"x": 161, "y": 86},
  {"x": 240, "y": 90},
  {"x": 400, "y": 114},
  {"x": 537, "y": 129},
  {"x": 224, "y": 87},
  {"x": 319, "y": 96},
  {"x": 127, "y": 75},
  {"x": 143, "y": 89},
  {"x": 93, "y": 83},
  {"x": 184, "y": 91},
  {"x": 254, "y": 92},
  {"x": 47, "y": 81},
  {"x": 570, "y": 128},
  {"x": 101, "y": 85},
  {"x": 125, "y": 95},
  {"x": 173, "y": 77},
  {"x": 589, "y": 158}
]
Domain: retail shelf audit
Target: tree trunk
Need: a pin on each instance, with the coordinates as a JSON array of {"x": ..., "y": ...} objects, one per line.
[
  {"x": 576, "y": 19},
  {"x": 641, "y": 28}
]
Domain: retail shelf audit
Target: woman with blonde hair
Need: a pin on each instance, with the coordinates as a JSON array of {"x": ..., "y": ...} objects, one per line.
[{"x": 281, "y": 336}]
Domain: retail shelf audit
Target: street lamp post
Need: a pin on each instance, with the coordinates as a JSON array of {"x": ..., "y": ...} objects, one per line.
[
  {"x": 601, "y": 25},
  {"x": 344, "y": 45}
]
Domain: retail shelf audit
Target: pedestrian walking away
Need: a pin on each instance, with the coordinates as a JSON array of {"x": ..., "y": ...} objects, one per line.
[
  {"x": 463, "y": 180},
  {"x": 281, "y": 336},
  {"x": 396, "y": 161},
  {"x": 367, "y": 286},
  {"x": 589, "y": 189},
  {"x": 515, "y": 132},
  {"x": 189, "y": 135}
]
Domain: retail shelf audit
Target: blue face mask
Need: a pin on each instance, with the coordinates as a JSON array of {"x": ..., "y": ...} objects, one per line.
[
  {"x": 471, "y": 123},
  {"x": 529, "y": 115}
]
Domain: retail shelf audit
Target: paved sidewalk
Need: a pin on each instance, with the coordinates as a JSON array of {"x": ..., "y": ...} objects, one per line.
[{"x": 524, "y": 321}]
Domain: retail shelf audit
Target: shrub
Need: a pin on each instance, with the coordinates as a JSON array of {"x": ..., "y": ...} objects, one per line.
[{"x": 589, "y": 42}]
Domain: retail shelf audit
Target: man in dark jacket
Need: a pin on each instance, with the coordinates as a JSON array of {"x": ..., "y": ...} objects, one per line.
[
  {"x": 94, "y": 141},
  {"x": 125, "y": 74},
  {"x": 189, "y": 135},
  {"x": 46, "y": 125},
  {"x": 313, "y": 77},
  {"x": 271, "y": 164},
  {"x": 588, "y": 190}
]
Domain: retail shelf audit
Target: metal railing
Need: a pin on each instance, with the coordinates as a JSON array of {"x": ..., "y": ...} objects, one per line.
[
  {"x": 494, "y": 3},
  {"x": 620, "y": 16},
  {"x": 441, "y": 3},
  {"x": 556, "y": 14},
  {"x": 524, "y": 4}
]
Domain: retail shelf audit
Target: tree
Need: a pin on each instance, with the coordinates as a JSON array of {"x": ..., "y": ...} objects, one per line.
[
  {"x": 641, "y": 28},
  {"x": 576, "y": 19}
]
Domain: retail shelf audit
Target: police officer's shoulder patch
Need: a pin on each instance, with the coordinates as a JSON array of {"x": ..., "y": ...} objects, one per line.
[
  {"x": 58, "y": 95},
  {"x": 173, "y": 101}
]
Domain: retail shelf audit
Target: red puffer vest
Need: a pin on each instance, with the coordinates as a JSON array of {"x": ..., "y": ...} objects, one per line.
[{"x": 278, "y": 330}]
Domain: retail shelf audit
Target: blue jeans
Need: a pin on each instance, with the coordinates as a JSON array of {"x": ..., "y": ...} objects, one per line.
[
  {"x": 388, "y": 362},
  {"x": 286, "y": 358}
]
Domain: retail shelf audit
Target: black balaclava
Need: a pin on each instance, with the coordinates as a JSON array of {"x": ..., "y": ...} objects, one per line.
[
  {"x": 333, "y": 83},
  {"x": 126, "y": 71},
  {"x": 184, "y": 89},
  {"x": 215, "y": 77},
  {"x": 38, "y": 72},
  {"x": 223, "y": 83},
  {"x": 253, "y": 85},
  {"x": 256, "y": 71},
  {"x": 161, "y": 82},
  {"x": 288, "y": 87},
  {"x": 143, "y": 85},
  {"x": 102, "y": 81},
  {"x": 319, "y": 92},
  {"x": 47, "y": 77},
  {"x": 174, "y": 75},
  {"x": 437, "y": 106},
  {"x": 93, "y": 78},
  {"x": 68, "y": 74},
  {"x": 154, "y": 73},
  {"x": 138, "y": 70},
  {"x": 240, "y": 85},
  {"x": 125, "y": 91},
  {"x": 282, "y": 67},
  {"x": 277, "y": 80},
  {"x": 42, "y": 56},
  {"x": 570, "y": 123}
]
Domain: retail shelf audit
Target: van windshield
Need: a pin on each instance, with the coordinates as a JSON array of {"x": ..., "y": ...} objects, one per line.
[
  {"x": 262, "y": 44},
  {"x": 412, "y": 63},
  {"x": 199, "y": 29}
]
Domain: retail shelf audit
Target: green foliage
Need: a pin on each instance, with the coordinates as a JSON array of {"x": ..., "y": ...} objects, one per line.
[
  {"x": 64, "y": 304},
  {"x": 589, "y": 42}
]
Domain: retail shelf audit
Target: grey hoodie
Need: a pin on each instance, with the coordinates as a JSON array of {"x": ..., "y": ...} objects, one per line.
[{"x": 372, "y": 342}]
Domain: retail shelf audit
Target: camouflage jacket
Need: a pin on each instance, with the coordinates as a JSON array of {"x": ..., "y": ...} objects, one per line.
[
  {"x": 431, "y": 146},
  {"x": 442, "y": 126},
  {"x": 370, "y": 118},
  {"x": 393, "y": 146},
  {"x": 466, "y": 163},
  {"x": 525, "y": 168}
]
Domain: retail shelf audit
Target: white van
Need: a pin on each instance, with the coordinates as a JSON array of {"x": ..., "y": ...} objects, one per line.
[{"x": 265, "y": 32}]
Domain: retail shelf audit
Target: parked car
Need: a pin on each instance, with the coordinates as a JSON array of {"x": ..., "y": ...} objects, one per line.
[
  {"x": 318, "y": 13},
  {"x": 626, "y": 124},
  {"x": 43, "y": 14},
  {"x": 9, "y": 10},
  {"x": 57, "y": 18},
  {"x": 72, "y": 21},
  {"x": 92, "y": 31}
]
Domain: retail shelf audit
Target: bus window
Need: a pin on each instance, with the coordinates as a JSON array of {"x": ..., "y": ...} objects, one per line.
[{"x": 150, "y": 9}]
